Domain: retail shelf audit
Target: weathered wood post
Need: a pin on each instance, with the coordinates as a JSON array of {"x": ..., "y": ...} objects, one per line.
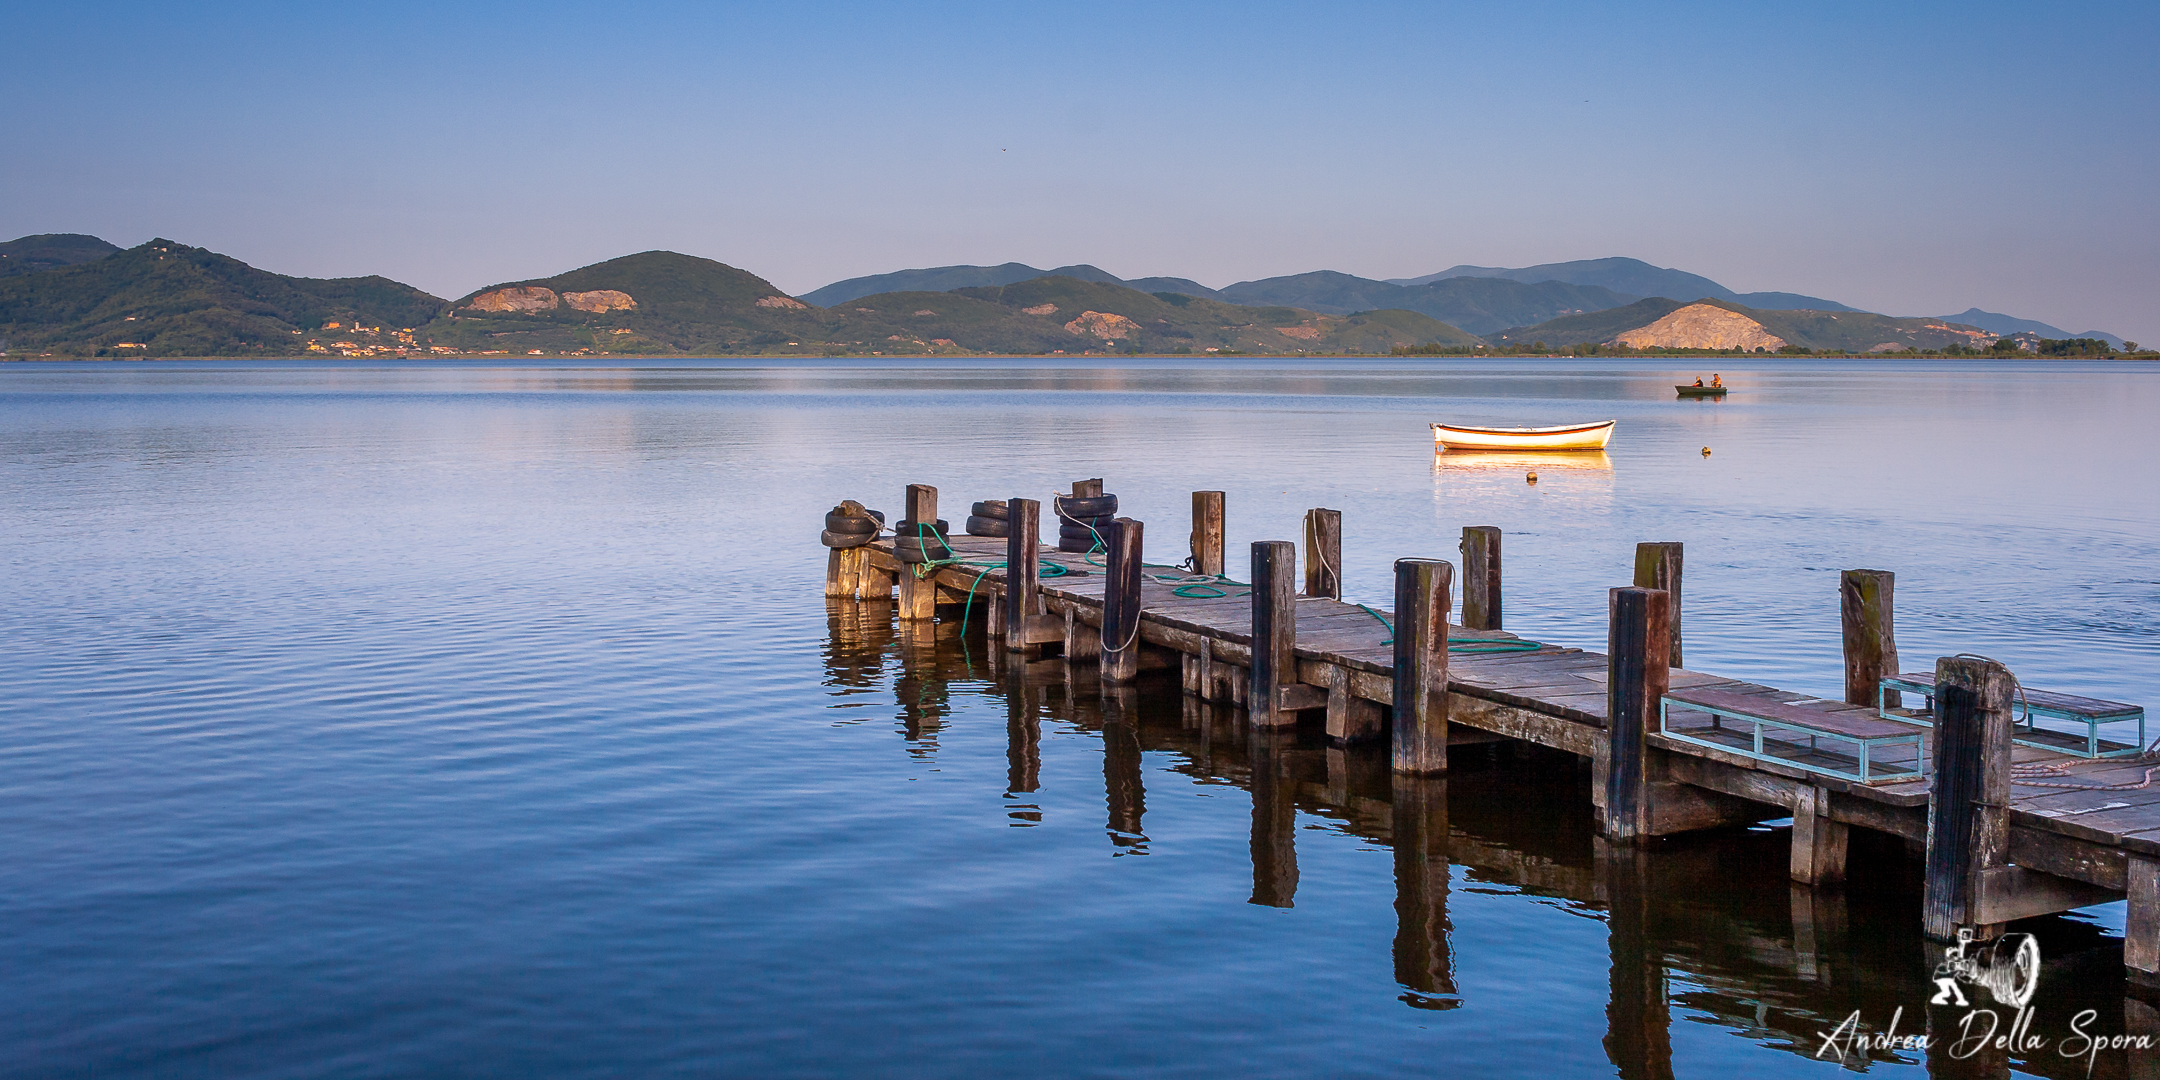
[
  {"x": 844, "y": 571},
  {"x": 918, "y": 595},
  {"x": 1207, "y": 532},
  {"x": 1121, "y": 603},
  {"x": 1323, "y": 553},
  {"x": 1481, "y": 577},
  {"x": 1865, "y": 604},
  {"x": 1637, "y": 676},
  {"x": 1421, "y": 665},
  {"x": 1023, "y": 591},
  {"x": 1968, "y": 807},
  {"x": 1274, "y": 631},
  {"x": 2141, "y": 929},
  {"x": 1420, "y": 826},
  {"x": 1087, "y": 489},
  {"x": 1657, "y": 566},
  {"x": 1818, "y": 843}
]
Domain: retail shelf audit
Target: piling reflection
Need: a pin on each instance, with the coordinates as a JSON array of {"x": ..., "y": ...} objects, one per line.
[{"x": 1705, "y": 926}]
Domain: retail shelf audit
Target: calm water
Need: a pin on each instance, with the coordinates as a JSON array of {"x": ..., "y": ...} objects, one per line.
[{"x": 461, "y": 720}]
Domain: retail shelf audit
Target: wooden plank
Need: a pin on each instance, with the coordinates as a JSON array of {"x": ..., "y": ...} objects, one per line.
[
  {"x": 1856, "y": 723},
  {"x": 1207, "y": 532},
  {"x": 1865, "y": 608},
  {"x": 1657, "y": 566},
  {"x": 2007, "y": 893}
]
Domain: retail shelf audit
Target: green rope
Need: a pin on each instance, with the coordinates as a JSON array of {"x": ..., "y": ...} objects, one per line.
[{"x": 1492, "y": 645}]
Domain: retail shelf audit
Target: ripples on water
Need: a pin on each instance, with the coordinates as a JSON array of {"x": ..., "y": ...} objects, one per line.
[{"x": 408, "y": 720}]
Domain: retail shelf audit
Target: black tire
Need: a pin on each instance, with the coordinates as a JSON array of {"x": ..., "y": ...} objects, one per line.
[
  {"x": 982, "y": 526},
  {"x": 1081, "y": 545},
  {"x": 833, "y": 539},
  {"x": 1070, "y": 533},
  {"x": 1084, "y": 522},
  {"x": 1099, "y": 506},
  {"x": 907, "y": 528},
  {"x": 911, "y": 555},
  {"x": 937, "y": 547},
  {"x": 994, "y": 508},
  {"x": 847, "y": 523}
]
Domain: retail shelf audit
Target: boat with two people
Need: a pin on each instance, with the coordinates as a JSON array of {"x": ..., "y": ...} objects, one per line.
[{"x": 1716, "y": 388}]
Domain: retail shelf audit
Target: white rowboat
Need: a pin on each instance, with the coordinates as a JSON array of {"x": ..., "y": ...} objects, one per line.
[{"x": 1567, "y": 437}]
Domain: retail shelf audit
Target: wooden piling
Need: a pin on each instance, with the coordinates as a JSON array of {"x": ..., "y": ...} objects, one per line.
[
  {"x": 1818, "y": 843},
  {"x": 1657, "y": 566},
  {"x": 1481, "y": 577},
  {"x": 1422, "y": 588},
  {"x": 1207, "y": 532},
  {"x": 2141, "y": 927},
  {"x": 1323, "y": 553},
  {"x": 1968, "y": 821},
  {"x": 1274, "y": 631},
  {"x": 844, "y": 572},
  {"x": 1121, "y": 603},
  {"x": 918, "y": 595},
  {"x": 1087, "y": 489},
  {"x": 1637, "y": 676},
  {"x": 1865, "y": 605},
  {"x": 1023, "y": 592}
]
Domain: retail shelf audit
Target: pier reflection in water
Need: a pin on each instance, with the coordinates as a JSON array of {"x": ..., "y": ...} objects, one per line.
[{"x": 1701, "y": 930}]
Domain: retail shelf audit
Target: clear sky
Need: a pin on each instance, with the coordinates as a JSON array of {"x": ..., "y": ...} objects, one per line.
[{"x": 1912, "y": 158}]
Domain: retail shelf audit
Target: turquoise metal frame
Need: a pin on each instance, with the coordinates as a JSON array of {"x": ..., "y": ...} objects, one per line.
[{"x": 2091, "y": 721}]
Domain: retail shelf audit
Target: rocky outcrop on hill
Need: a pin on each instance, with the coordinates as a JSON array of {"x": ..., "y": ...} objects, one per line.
[
  {"x": 782, "y": 302},
  {"x": 1702, "y": 326},
  {"x": 1103, "y": 325},
  {"x": 516, "y": 298},
  {"x": 600, "y": 300}
]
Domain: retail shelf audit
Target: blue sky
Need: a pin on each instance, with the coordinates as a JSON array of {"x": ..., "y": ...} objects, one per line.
[{"x": 1914, "y": 158}]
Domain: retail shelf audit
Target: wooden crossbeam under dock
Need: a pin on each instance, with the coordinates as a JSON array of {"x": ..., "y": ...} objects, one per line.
[{"x": 2068, "y": 844}]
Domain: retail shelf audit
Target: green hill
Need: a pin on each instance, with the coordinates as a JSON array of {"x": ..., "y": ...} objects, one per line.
[
  {"x": 168, "y": 299},
  {"x": 1478, "y": 305},
  {"x": 1592, "y": 328},
  {"x": 50, "y": 251}
]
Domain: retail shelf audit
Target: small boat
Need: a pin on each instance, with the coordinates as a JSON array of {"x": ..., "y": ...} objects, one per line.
[
  {"x": 1702, "y": 391},
  {"x": 1566, "y": 437}
]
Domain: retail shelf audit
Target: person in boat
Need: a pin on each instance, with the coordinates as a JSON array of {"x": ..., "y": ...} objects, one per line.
[
  {"x": 1716, "y": 380},
  {"x": 1698, "y": 380}
]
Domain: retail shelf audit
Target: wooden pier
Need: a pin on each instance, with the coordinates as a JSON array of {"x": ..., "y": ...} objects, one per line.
[{"x": 2009, "y": 830}]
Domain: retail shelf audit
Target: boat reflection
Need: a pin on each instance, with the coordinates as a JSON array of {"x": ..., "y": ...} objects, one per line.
[
  {"x": 1515, "y": 461},
  {"x": 1707, "y": 923}
]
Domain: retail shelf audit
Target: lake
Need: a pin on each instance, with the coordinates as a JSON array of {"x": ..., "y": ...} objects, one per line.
[{"x": 480, "y": 719}]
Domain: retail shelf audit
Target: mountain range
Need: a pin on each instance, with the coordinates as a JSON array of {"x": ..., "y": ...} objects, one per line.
[{"x": 69, "y": 294}]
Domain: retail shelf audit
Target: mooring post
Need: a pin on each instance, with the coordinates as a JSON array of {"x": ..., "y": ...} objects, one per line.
[
  {"x": 844, "y": 571},
  {"x": 1274, "y": 631},
  {"x": 1087, "y": 489},
  {"x": 1865, "y": 604},
  {"x": 1657, "y": 566},
  {"x": 1818, "y": 843},
  {"x": 1637, "y": 676},
  {"x": 2141, "y": 928},
  {"x": 1968, "y": 813},
  {"x": 1323, "y": 553},
  {"x": 1121, "y": 603},
  {"x": 1481, "y": 577},
  {"x": 1421, "y": 665},
  {"x": 918, "y": 595},
  {"x": 1023, "y": 591},
  {"x": 1207, "y": 532}
]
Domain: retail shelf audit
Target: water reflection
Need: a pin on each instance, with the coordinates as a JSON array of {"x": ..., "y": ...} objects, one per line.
[{"x": 1704, "y": 927}]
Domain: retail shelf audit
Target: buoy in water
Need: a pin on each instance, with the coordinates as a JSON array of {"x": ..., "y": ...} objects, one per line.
[
  {"x": 1532, "y": 478},
  {"x": 1706, "y": 451}
]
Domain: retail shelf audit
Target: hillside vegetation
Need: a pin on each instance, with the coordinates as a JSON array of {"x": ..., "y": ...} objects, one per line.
[
  {"x": 168, "y": 299},
  {"x": 50, "y": 251}
]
